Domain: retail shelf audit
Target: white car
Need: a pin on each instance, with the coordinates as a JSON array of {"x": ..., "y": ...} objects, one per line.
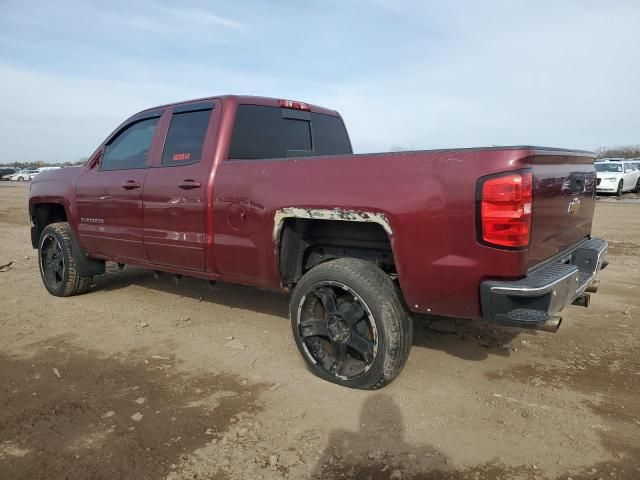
[
  {"x": 22, "y": 175},
  {"x": 42, "y": 169},
  {"x": 616, "y": 177},
  {"x": 610, "y": 159}
]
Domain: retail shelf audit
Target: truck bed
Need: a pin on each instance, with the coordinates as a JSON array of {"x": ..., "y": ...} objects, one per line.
[{"x": 428, "y": 199}]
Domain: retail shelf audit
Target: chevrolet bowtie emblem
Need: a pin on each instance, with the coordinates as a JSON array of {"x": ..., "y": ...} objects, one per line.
[{"x": 574, "y": 206}]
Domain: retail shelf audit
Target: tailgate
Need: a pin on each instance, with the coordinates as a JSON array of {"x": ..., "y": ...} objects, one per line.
[{"x": 563, "y": 201}]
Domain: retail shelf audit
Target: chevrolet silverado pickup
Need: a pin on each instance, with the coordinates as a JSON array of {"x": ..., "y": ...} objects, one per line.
[{"x": 267, "y": 192}]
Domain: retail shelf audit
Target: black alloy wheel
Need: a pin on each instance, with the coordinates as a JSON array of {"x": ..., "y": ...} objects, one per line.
[
  {"x": 58, "y": 258},
  {"x": 52, "y": 262},
  {"x": 350, "y": 324},
  {"x": 337, "y": 326}
]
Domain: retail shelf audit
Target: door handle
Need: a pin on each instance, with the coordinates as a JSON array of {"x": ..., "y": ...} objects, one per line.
[
  {"x": 130, "y": 184},
  {"x": 188, "y": 184}
]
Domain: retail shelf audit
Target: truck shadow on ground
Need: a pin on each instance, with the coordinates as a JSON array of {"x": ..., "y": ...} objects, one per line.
[
  {"x": 462, "y": 338},
  {"x": 226, "y": 294},
  {"x": 379, "y": 451}
]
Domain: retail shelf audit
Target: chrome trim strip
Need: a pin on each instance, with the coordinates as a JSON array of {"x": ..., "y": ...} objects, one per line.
[
  {"x": 541, "y": 290},
  {"x": 545, "y": 288}
]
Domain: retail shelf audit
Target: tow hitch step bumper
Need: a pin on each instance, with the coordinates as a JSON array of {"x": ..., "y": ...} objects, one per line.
[{"x": 534, "y": 301}]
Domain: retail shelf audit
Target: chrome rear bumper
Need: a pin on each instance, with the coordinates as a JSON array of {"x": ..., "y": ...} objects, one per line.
[{"x": 533, "y": 300}]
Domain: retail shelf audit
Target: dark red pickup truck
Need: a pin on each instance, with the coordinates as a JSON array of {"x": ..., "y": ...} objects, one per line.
[{"x": 267, "y": 192}]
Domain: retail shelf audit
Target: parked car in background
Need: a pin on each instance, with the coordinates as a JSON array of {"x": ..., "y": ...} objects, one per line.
[
  {"x": 41, "y": 170},
  {"x": 23, "y": 175},
  {"x": 611, "y": 159},
  {"x": 616, "y": 177},
  {"x": 5, "y": 173}
]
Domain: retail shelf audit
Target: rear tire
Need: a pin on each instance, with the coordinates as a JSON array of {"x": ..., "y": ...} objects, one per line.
[
  {"x": 619, "y": 191},
  {"x": 58, "y": 262},
  {"x": 637, "y": 189},
  {"x": 350, "y": 325}
]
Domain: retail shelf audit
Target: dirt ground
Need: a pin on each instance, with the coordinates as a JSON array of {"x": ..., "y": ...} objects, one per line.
[{"x": 142, "y": 378}]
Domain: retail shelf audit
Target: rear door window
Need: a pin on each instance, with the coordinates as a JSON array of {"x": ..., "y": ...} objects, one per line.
[
  {"x": 129, "y": 148},
  {"x": 185, "y": 138},
  {"x": 262, "y": 132}
]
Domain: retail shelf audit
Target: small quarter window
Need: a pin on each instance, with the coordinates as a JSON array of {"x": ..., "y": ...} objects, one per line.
[
  {"x": 130, "y": 148},
  {"x": 183, "y": 145},
  {"x": 263, "y": 132}
]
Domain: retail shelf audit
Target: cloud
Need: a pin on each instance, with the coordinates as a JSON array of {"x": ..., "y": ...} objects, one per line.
[
  {"x": 411, "y": 73},
  {"x": 519, "y": 74},
  {"x": 56, "y": 117},
  {"x": 190, "y": 16},
  {"x": 158, "y": 18},
  {"x": 48, "y": 116}
]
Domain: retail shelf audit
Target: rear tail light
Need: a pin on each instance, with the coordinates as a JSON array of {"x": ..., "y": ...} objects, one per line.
[
  {"x": 505, "y": 209},
  {"x": 292, "y": 104}
]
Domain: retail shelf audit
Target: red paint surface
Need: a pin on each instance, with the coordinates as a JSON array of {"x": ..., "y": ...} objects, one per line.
[{"x": 223, "y": 229}]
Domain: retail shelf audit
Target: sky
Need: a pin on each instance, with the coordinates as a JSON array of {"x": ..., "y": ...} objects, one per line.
[{"x": 403, "y": 74}]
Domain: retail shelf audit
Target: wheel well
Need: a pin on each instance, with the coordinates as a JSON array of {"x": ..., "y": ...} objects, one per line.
[
  {"x": 44, "y": 214},
  {"x": 305, "y": 243}
]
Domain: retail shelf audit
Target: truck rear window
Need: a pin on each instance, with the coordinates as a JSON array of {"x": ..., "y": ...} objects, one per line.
[{"x": 272, "y": 132}]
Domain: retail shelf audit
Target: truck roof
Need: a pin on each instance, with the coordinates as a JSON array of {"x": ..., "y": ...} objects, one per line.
[{"x": 244, "y": 99}]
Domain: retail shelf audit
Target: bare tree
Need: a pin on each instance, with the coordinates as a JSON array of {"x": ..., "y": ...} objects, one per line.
[{"x": 627, "y": 151}]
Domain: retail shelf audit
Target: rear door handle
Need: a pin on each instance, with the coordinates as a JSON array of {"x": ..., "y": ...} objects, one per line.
[
  {"x": 188, "y": 184},
  {"x": 130, "y": 184}
]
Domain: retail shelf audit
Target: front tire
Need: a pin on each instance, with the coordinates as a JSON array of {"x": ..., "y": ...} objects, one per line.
[
  {"x": 58, "y": 263},
  {"x": 619, "y": 191},
  {"x": 21, "y": 179},
  {"x": 350, "y": 325}
]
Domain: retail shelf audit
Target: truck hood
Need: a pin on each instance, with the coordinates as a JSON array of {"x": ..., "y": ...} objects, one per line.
[
  {"x": 54, "y": 186},
  {"x": 61, "y": 174}
]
